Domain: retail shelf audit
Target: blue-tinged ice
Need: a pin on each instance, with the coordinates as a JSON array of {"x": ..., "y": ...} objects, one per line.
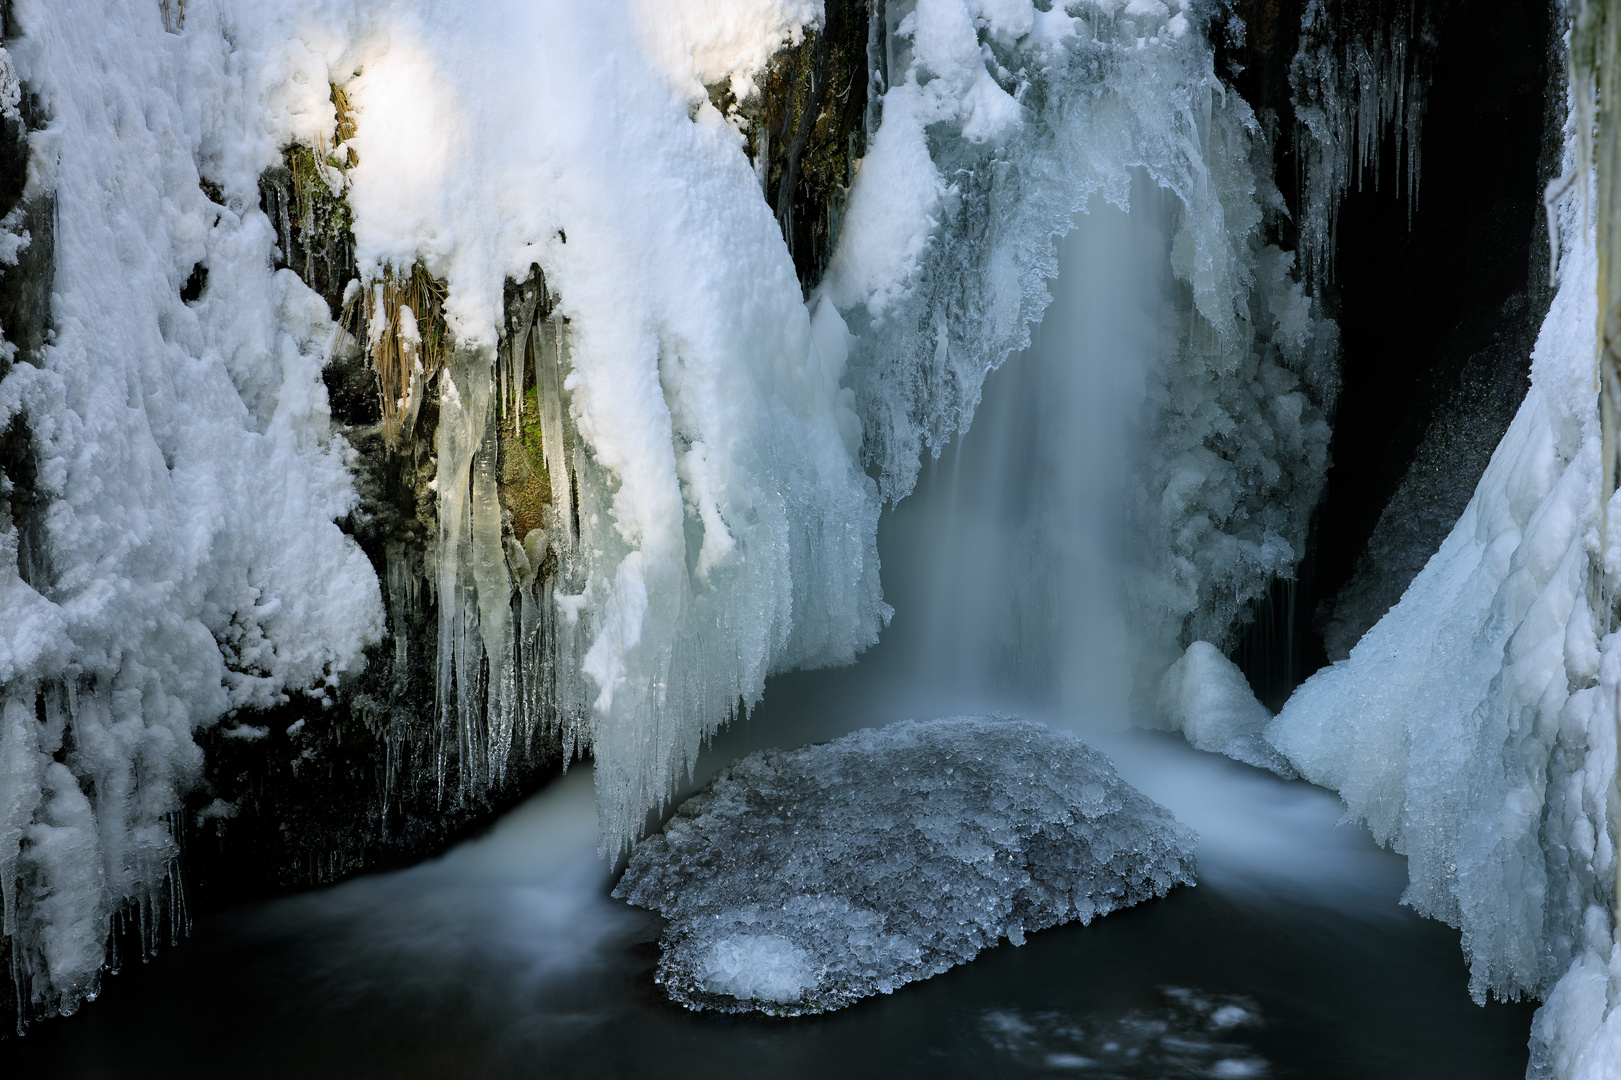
[{"x": 801, "y": 881}]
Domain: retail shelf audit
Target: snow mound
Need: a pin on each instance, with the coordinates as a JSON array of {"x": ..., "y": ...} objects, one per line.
[
  {"x": 800, "y": 881},
  {"x": 1207, "y": 698}
]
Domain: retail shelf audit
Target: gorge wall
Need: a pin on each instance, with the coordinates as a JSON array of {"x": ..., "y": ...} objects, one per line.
[{"x": 423, "y": 419}]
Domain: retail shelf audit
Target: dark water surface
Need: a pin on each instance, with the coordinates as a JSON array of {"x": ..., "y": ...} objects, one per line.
[{"x": 507, "y": 959}]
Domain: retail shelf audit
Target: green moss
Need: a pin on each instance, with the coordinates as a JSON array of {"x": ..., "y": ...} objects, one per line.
[
  {"x": 525, "y": 485},
  {"x": 324, "y": 215},
  {"x": 314, "y": 225},
  {"x": 806, "y": 123}
]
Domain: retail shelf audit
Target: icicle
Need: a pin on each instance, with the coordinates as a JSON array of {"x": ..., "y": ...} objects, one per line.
[
  {"x": 549, "y": 381},
  {"x": 494, "y": 590},
  {"x": 502, "y": 400},
  {"x": 1360, "y": 73},
  {"x": 520, "y": 361},
  {"x": 410, "y": 340},
  {"x": 468, "y": 659},
  {"x": 515, "y": 362},
  {"x": 20, "y": 760},
  {"x": 401, "y": 600},
  {"x": 463, "y": 407}
]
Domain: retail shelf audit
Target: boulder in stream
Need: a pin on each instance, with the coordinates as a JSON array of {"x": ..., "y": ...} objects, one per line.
[{"x": 801, "y": 881}]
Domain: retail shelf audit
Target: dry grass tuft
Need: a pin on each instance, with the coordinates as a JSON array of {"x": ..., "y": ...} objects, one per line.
[
  {"x": 345, "y": 130},
  {"x": 406, "y": 341}
]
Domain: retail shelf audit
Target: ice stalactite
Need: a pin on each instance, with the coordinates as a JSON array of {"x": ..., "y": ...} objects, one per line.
[
  {"x": 506, "y": 545},
  {"x": 464, "y": 417},
  {"x": 1360, "y": 76}
]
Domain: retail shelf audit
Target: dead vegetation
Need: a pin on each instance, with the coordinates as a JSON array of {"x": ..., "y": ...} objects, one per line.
[{"x": 402, "y": 317}]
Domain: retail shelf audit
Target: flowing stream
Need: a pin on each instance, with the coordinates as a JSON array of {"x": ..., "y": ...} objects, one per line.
[{"x": 506, "y": 957}]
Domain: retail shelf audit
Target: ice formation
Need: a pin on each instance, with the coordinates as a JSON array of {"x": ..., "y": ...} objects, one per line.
[
  {"x": 947, "y": 246},
  {"x": 191, "y": 561},
  {"x": 179, "y": 555},
  {"x": 724, "y": 528},
  {"x": 800, "y": 881},
  {"x": 705, "y": 426},
  {"x": 1360, "y": 75},
  {"x": 1207, "y": 699},
  {"x": 1474, "y": 727}
]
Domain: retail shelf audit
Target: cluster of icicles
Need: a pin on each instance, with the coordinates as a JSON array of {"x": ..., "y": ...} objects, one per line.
[{"x": 530, "y": 678}]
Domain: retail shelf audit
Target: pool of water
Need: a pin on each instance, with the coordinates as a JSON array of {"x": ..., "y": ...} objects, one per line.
[{"x": 507, "y": 958}]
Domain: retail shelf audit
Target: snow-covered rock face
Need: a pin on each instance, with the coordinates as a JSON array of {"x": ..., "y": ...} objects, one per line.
[
  {"x": 800, "y": 881},
  {"x": 187, "y": 480}
]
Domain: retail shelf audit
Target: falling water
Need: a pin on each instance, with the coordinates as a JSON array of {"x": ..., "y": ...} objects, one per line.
[{"x": 1007, "y": 578}]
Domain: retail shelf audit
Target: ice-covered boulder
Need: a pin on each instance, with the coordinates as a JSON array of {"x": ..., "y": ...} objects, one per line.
[
  {"x": 799, "y": 881},
  {"x": 1207, "y": 698}
]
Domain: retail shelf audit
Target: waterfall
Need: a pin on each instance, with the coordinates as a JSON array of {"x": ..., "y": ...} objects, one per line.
[
  {"x": 707, "y": 409},
  {"x": 1020, "y": 598},
  {"x": 706, "y": 397}
]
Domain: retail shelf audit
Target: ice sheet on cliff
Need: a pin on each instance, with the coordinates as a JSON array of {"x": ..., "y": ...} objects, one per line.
[{"x": 1474, "y": 726}]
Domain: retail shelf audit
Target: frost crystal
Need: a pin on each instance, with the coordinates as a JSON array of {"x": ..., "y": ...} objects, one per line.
[{"x": 800, "y": 881}]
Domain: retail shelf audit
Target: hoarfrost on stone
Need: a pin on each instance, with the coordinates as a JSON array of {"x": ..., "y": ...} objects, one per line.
[{"x": 799, "y": 881}]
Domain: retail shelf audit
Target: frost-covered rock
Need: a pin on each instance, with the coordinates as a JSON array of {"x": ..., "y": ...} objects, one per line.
[
  {"x": 1207, "y": 698},
  {"x": 800, "y": 881}
]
